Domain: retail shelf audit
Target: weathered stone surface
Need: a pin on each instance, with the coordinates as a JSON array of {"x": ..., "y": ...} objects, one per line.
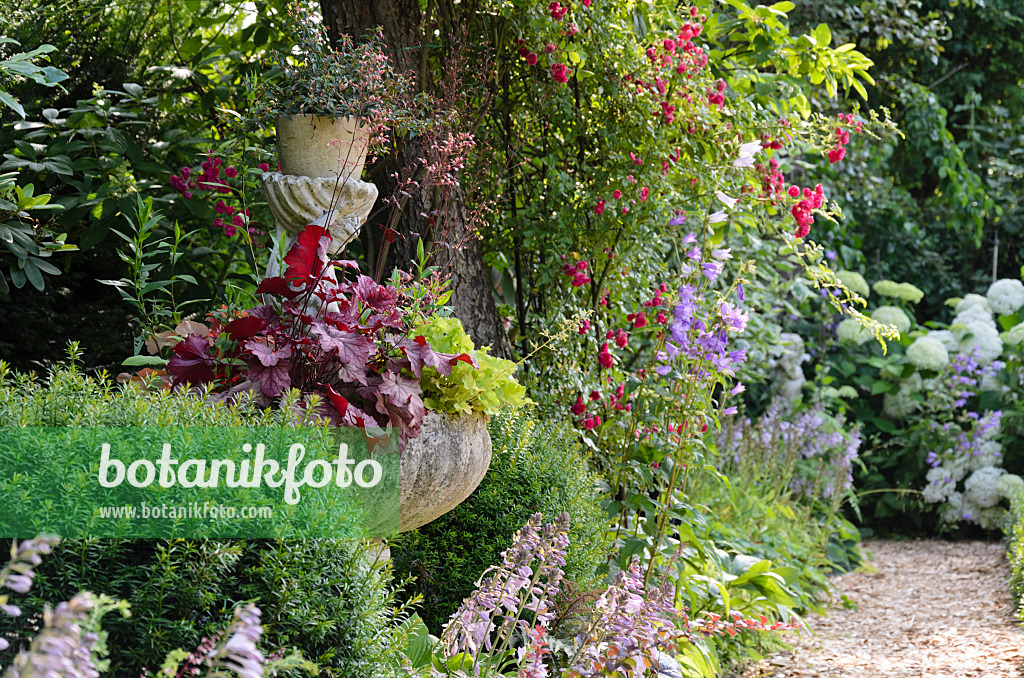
[
  {"x": 297, "y": 202},
  {"x": 442, "y": 466},
  {"x": 315, "y": 146}
]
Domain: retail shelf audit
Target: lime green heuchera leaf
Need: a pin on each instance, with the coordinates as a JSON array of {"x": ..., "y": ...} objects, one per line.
[{"x": 487, "y": 388}]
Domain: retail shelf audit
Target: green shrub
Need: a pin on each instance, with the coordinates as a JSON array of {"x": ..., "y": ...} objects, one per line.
[
  {"x": 321, "y": 596},
  {"x": 1014, "y": 528},
  {"x": 535, "y": 468}
]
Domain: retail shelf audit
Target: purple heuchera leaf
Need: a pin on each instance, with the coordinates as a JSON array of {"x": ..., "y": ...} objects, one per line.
[
  {"x": 268, "y": 357},
  {"x": 400, "y": 390},
  {"x": 273, "y": 380},
  {"x": 191, "y": 361},
  {"x": 352, "y": 348}
]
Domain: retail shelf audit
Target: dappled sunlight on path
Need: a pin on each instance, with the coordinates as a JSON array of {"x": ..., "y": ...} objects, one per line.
[{"x": 930, "y": 608}]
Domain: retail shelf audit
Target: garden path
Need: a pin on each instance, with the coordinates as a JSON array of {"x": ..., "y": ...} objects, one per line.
[{"x": 924, "y": 609}]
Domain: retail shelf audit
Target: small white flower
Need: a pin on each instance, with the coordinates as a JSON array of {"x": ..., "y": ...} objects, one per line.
[
  {"x": 725, "y": 199},
  {"x": 747, "y": 153}
]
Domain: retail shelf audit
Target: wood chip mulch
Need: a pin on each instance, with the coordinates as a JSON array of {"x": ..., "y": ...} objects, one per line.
[{"x": 923, "y": 609}]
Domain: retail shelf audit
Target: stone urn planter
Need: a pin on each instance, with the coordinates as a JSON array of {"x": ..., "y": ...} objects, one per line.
[
  {"x": 442, "y": 466},
  {"x": 315, "y": 146}
]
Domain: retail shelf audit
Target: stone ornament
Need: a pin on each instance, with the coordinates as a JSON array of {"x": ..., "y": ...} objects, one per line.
[{"x": 340, "y": 205}]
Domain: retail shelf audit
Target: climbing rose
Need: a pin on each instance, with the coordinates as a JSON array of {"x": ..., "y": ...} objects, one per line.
[{"x": 560, "y": 73}]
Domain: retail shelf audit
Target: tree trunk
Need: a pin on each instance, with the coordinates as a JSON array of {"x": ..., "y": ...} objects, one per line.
[{"x": 472, "y": 296}]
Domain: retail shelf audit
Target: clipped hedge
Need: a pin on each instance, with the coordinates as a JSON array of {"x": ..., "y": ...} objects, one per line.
[{"x": 536, "y": 467}]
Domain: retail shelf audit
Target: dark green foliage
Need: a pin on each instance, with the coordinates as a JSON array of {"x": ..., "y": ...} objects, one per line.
[
  {"x": 536, "y": 468},
  {"x": 321, "y": 596},
  {"x": 1015, "y": 551}
]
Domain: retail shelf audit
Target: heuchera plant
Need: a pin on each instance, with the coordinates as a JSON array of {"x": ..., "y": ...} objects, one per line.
[{"x": 348, "y": 341}]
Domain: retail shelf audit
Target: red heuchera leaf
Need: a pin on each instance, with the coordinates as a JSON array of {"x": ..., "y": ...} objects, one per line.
[
  {"x": 420, "y": 355},
  {"x": 278, "y": 287},
  {"x": 267, "y": 356},
  {"x": 240, "y": 329},
  {"x": 273, "y": 380},
  {"x": 352, "y": 347},
  {"x": 191, "y": 361},
  {"x": 381, "y": 298},
  {"x": 307, "y": 257},
  {"x": 349, "y": 413}
]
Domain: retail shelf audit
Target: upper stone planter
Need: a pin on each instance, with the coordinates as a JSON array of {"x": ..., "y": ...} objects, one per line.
[{"x": 326, "y": 148}]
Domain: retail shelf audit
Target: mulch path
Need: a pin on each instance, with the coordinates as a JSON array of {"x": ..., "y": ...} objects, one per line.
[{"x": 924, "y": 608}]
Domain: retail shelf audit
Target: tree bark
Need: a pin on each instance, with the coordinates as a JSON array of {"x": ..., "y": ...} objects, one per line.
[{"x": 472, "y": 295}]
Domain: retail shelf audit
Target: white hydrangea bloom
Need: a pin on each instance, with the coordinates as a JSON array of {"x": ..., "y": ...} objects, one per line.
[
  {"x": 854, "y": 282},
  {"x": 1006, "y": 296},
  {"x": 980, "y": 487},
  {"x": 947, "y": 338},
  {"x": 952, "y": 510},
  {"x": 975, "y": 315},
  {"x": 992, "y": 518},
  {"x": 928, "y": 353},
  {"x": 956, "y": 469},
  {"x": 898, "y": 405},
  {"x": 982, "y": 342},
  {"x": 911, "y": 293},
  {"x": 990, "y": 432},
  {"x": 1009, "y": 484},
  {"x": 969, "y": 510},
  {"x": 939, "y": 486},
  {"x": 852, "y": 332},
  {"x": 990, "y": 382},
  {"x": 891, "y": 315},
  {"x": 887, "y": 288},
  {"x": 972, "y": 300},
  {"x": 1015, "y": 335},
  {"x": 991, "y": 455}
]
